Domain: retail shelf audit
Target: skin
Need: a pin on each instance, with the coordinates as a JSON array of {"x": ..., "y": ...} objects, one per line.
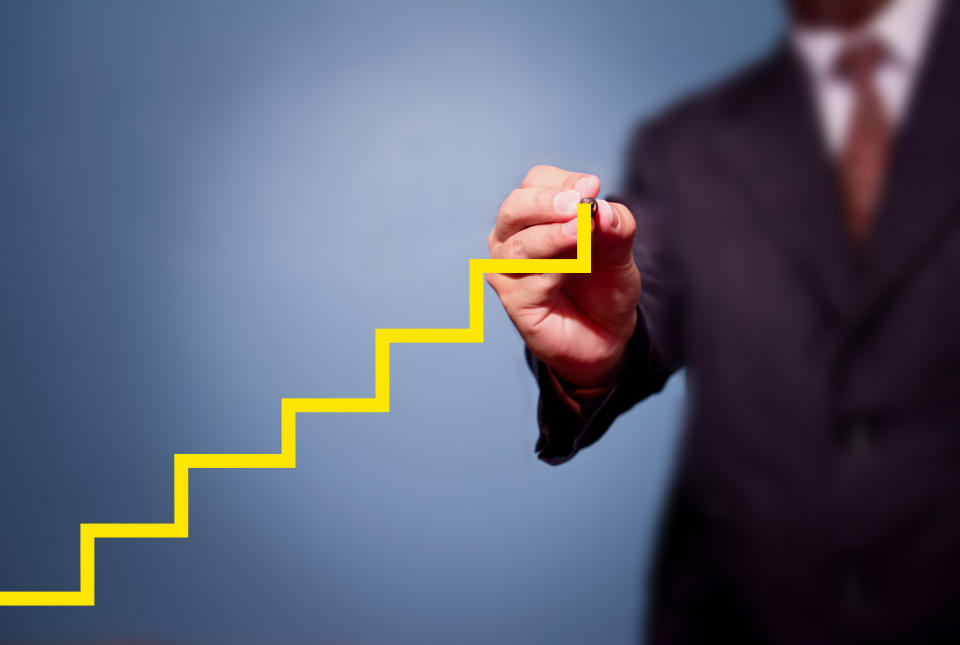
[
  {"x": 580, "y": 325},
  {"x": 577, "y": 324}
]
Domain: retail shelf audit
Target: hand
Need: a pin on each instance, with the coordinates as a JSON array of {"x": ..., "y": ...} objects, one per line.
[{"x": 578, "y": 324}]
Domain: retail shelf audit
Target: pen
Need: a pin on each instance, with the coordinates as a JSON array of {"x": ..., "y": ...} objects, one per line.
[{"x": 593, "y": 205}]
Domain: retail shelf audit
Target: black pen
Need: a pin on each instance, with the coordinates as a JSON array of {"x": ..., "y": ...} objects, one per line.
[{"x": 593, "y": 205}]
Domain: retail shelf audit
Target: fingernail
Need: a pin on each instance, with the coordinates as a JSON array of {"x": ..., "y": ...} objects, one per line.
[
  {"x": 570, "y": 228},
  {"x": 566, "y": 202},
  {"x": 588, "y": 185},
  {"x": 609, "y": 218}
]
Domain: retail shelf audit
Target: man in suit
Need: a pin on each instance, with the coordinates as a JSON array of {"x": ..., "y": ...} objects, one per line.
[{"x": 791, "y": 237}]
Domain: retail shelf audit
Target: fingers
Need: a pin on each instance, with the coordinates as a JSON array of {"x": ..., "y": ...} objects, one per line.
[
  {"x": 536, "y": 205},
  {"x": 548, "y": 194},
  {"x": 536, "y": 242},
  {"x": 543, "y": 175},
  {"x": 613, "y": 237},
  {"x": 532, "y": 226},
  {"x": 538, "y": 220},
  {"x": 524, "y": 291}
]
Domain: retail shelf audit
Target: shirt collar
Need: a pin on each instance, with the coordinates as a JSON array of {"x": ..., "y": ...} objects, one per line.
[{"x": 903, "y": 26}]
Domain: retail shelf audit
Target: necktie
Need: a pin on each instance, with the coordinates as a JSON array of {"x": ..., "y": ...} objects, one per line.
[{"x": 863, "y": 160}]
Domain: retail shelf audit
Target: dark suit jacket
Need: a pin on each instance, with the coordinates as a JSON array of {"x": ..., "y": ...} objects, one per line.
[{"x": 817, "y": 494}]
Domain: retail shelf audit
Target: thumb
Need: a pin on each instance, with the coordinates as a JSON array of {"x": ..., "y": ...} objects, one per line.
[{"x": 613, "y": 235}]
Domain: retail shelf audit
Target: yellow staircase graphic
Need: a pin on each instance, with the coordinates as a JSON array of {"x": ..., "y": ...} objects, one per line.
[{"x": 287, "y": 457}]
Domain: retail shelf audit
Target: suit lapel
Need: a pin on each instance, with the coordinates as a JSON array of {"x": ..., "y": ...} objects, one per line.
[
  {"x": 923, "y": 181},
  {"x": 771, "y": 140}
]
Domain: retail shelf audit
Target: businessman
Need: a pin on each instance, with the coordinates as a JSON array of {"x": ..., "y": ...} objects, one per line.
[{"x": 792, "y": 238}]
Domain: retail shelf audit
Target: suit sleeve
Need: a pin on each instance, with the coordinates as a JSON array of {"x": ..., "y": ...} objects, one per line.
[{"x": 654, "y": 351}]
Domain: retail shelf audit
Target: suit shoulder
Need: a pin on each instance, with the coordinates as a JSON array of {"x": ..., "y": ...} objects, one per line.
[{"x": 689, "y": 118}]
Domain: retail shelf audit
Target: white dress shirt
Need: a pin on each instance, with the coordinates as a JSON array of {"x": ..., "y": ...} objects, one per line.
[{"x": 903, "y": 26}]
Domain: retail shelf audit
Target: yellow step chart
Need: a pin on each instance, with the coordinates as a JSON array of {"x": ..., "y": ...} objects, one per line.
[{"x": 290, "y": 408}]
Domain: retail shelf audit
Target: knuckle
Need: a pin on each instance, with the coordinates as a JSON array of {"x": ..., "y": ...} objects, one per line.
[
  {"x": 510, "y": 207},
  {"x": 514, "y": 247},
  {"x": 535, "y": 172},
  {"x": 527, "y": 178},
  {"x": 507, "y": 204}
]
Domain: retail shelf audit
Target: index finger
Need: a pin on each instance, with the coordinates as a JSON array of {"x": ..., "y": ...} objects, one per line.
[{"x": 544, "y": 175}]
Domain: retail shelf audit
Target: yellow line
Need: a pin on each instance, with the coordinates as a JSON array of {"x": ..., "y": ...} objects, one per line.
[{"x": 287, "y": 457}]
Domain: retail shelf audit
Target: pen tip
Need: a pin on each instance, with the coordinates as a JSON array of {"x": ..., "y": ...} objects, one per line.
[{"x": 593, "y": 205}]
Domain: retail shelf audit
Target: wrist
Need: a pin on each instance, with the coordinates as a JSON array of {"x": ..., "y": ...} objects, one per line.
[{"x": 588, "y": 377}]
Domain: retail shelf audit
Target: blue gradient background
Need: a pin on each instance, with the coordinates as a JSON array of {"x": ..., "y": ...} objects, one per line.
[{"x": 208, "y": 206}]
